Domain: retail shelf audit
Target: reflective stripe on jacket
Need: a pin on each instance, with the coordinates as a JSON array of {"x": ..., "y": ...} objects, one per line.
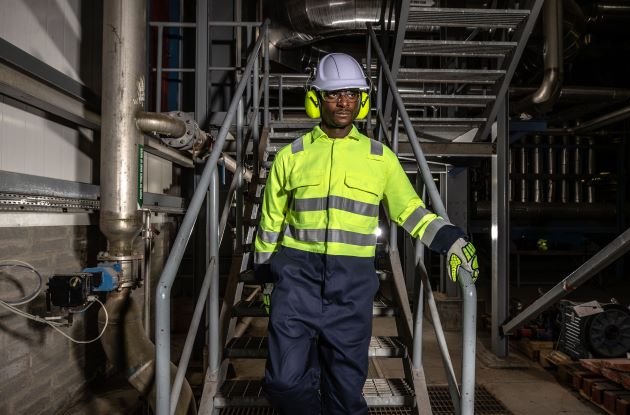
[{"x": 322, "y": 195}]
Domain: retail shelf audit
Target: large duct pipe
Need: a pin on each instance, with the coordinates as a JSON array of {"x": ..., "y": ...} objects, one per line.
[
  {"x": 129, "y": 349},
  {"x": 544, "y": 98},
  {"x": 124, "y": 31}
]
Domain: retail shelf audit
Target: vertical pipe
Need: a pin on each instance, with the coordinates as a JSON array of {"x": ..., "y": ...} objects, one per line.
[
  {"x": 158, "y": 76},
  {"x": 551, "y": 169},
  {"x": 577, "y": 170},
  {"x": 239, "y": 185},
  {"x": 379, "y": 102},
  {"x": 564, "y": 170},
  {"x": 148, "y": 237},
  {"x": 266, "y": 81},
  {"x": 590, "y": 186},
  {"x": 248, "y": 90},
  {"x": 523, "y": 167},
  {"x": 214, "y": 352},
  {"x": 537, "y": 170},
  {"x": 393, "y": 228}
]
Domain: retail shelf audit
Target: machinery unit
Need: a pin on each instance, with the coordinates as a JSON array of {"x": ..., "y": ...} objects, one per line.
[
  {"x": 602, "y": 334},
  {"x": 73, "y": 290}
]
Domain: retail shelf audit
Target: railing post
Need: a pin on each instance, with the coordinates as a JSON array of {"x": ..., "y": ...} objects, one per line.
[
  {"x": 255, "y": 115},
  {"x": 393, "y": 228},
  {"x": 239, "y": 183},
  {"x": 266, "y": 81},
  {"x": 214, "y": 350}
]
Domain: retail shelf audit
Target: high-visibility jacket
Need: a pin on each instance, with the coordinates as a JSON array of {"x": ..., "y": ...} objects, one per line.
[{"x": 322, "y": 195}]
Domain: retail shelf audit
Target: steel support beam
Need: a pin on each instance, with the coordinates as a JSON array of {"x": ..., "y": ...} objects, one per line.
[
  {"x": 500, "y": 234},
  {"x": 402, "y": 13}
]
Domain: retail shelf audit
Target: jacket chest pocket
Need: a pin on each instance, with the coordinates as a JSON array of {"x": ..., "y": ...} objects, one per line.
[
  {"x": 364, "y": 194},
  {"x": 305, "y": 187}
]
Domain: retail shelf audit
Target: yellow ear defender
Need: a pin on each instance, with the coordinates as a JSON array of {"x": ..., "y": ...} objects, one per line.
[
  {"x": 313, "y": 110},
  {"x": 311, "y": 104}
]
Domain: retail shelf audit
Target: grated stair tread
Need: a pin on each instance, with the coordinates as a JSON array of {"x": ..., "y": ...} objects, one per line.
[
  {"x": 461, "y": 48},
  {"x": 254, "y": 410},
  {"x": 465, "y": 17},
  {"x": 415, "y": 100},
  {"x": 255, "y": 308},
  {"x": 256, "y": 347},
  {"x": 464, "y": 76},
  {"x": 377, "y": 392}
]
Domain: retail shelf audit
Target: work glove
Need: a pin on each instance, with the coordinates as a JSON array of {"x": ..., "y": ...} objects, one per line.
[
  {"x": 267, "y": 289},
  {"x": 462, "y": 254}
]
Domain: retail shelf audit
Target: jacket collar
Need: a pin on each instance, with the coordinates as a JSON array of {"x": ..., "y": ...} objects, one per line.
[{"x": 317, "y": 133}]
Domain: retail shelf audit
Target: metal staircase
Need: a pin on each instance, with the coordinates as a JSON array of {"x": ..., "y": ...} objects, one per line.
[
  {"x": 467, "y": 58},
  {"x": 452, "y": 83}
]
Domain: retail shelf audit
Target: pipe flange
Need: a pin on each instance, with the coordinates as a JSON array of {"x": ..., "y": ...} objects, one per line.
[{"x": 186, "y": 141}]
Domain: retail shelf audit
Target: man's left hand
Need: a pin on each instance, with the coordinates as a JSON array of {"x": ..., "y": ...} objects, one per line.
[{"x": 462, "y": 254}]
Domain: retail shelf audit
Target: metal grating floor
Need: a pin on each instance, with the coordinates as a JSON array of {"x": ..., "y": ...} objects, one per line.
[
  {"x": 485, "y": 402},
  {"x": 383, "y": 410}
]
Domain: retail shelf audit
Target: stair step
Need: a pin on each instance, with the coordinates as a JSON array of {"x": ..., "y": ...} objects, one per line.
[
  {"x": 464, "y": 76},
  {"x": 419, "y": 47},
  {"x": 414, "y": 100},
  {"x": 377, "y": 392},
  {"x": 255, "y": 308},
  {"x": 256, "y": 347},
  {"x": 462, "y": 17},
  {"x": 265, "y": 410},
  {"x": 248, "y": 276}
]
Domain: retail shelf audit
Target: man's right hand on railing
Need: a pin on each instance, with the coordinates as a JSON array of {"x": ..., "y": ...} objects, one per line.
[{"x": 462, "y": 254}]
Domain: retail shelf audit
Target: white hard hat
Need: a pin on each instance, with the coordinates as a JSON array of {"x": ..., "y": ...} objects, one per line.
[{"x": 339, "y": 71}]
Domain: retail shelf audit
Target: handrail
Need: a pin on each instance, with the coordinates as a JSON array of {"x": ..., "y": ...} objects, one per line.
[
  {"x": 469, "y": 293},
  {"x": 163, "y": 291}
]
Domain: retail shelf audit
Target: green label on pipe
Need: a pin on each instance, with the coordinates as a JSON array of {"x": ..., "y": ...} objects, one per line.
[{"x": 140, "y": 175}]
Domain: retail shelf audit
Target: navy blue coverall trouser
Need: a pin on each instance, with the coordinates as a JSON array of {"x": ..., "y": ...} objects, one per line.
[{"x": 319, "y": 332}]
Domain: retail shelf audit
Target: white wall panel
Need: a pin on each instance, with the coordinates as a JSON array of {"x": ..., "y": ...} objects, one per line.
[
  {"x": 34, "y": 145},
  {"x": 48, "y": 30}
]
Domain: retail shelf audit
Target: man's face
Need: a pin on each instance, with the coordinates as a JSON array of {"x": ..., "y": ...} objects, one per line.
[{"x": 339, "y": 108}]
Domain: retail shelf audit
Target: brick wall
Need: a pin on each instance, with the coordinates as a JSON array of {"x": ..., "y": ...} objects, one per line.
[{"x": 41, "y": 372}]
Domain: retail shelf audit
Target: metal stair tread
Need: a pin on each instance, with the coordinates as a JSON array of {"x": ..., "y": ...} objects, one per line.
[
  {"x": 463, "y": 48},
  {"x": 377, "y": 392},
  {"x": 256, "y": 347},
  {"x": 255, "y": 308},
  {"x": 465, "y": 17},
  {"x": 471, "y": 76},
  {"x": 447, "y": 100}
]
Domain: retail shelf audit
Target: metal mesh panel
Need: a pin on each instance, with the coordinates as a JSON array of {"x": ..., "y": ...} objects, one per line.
[{"x": 485, "y": 402}]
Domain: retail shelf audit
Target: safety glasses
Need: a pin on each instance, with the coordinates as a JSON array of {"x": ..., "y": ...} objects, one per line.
[{"x": 351, "y": 95}]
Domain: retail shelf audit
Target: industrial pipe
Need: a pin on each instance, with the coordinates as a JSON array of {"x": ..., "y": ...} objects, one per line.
[
  {"x": 537, "y": 169},
  {"x": 124, "y": 31},
  {"x": 128, "y": 348},
  {"x": 551, "y": 169},
  {"x": 523, "y": 167},
  {"x": 564, "y": 170},
  {"x": 609, "y": 254},
  {"x": 545, "y": 97},
  {"x": 159, "y": 123},
  {"x": 577, "y": 169},
  {"x": 590, "y": 184}
]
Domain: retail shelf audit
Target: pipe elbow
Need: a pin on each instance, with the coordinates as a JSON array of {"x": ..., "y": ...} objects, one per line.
[{"x": 161, "y": 124}]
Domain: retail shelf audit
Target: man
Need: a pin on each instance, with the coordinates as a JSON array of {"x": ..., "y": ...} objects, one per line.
[{"x": 317, "y": 239}]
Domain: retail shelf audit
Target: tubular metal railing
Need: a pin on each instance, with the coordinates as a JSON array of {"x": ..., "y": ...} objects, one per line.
[
  {"x": 167, "y": 398},
  {"x": 462, "y": 401}
]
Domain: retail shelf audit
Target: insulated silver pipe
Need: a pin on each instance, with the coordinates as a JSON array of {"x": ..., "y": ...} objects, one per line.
[
  {"x": 577, "y": 169},
  {"x": 564, "y": 170},
  {"x": 124, "y": 31},
  {"x": 551, "y": 169},
  {"x": 537, "y": 169}
]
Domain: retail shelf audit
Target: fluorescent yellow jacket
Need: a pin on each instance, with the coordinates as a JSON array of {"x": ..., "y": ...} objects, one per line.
[{"x": 322, "y": 195}]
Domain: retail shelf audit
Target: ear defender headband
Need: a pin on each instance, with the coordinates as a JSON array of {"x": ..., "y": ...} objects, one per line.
[{"x": 312, "y": 104}]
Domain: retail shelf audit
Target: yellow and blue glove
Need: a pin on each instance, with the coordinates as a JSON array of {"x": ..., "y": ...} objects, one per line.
[
  {"x": 462, "y": 254},
  {"x": 267, "y": 289}
]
